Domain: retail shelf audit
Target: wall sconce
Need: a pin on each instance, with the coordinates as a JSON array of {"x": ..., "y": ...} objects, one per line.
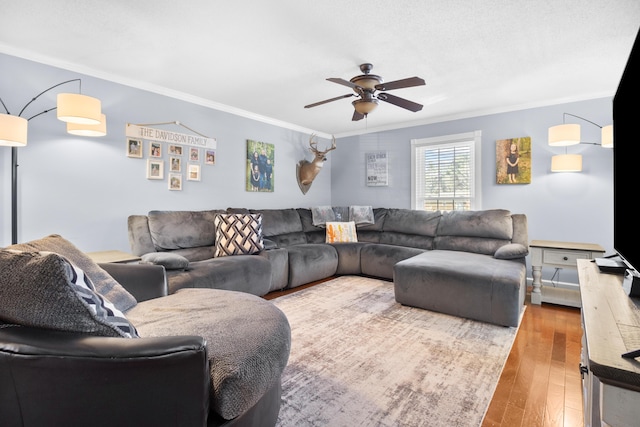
[
  {"x": 83, "y": 116},
  {"x": 569, "y": 134}
]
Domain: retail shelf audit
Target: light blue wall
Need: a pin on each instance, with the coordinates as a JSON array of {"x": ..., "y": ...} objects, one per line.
[
  {"x": 576, "y": 207},
  {"x": 85, "y": 188}
]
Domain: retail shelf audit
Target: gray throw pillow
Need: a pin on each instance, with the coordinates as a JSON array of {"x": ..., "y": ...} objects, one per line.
[
  {"x": 45, "y": 290},
  {"x": 169, "y": 260},
  {"x": 105, "y": 285},
  {"x": 511, "y": 251}
]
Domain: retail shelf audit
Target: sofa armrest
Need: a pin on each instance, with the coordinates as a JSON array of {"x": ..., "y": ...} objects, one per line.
[
  {"x": 143, "y": 281},
  {"x": 520, "y": 230},
  {"x": 61, "y": 378}
]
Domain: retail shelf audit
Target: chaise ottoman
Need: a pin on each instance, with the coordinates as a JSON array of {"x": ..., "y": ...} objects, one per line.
[{"x": 465, "y": 284}]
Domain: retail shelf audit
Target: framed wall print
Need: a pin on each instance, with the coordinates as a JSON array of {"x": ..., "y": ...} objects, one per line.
[
  {"x": 260, "y": 166},
  {"x": 193, "y": 172},
  {"x": 175, "y": 181},
  {"x": 377, "y": 169},
  {"x": 210, "y": 157},
  {"x": 134, "y": 148},
  {"x": 155, "y": 169},
  {"x": 194, "y": 154},
  {"x": 155, "y": 149},
  {"x": 175, "y": 164},
  {"x": 175, "y": 150},
  {"x": 513, "y": 161}
]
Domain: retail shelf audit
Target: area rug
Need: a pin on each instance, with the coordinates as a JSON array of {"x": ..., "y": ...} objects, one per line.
[{"x": 358, "y": 358}]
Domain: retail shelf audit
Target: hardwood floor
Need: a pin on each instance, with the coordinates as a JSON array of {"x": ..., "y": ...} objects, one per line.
[{"x": 540, "y": 384}]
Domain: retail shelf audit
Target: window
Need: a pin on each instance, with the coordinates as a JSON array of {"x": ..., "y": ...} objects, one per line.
[{"x": 445, "y": 172}]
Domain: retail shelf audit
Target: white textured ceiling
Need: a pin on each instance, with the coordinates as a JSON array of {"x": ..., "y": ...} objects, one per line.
[{"x": 268, "y": 59}]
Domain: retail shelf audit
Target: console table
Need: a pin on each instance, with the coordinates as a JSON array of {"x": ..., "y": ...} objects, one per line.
[
  {"x": 559, "y": 255},
  {"x": 611, "y": 327}
]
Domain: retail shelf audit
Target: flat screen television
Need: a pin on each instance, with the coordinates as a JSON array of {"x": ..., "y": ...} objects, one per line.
[{"x": 626, "y": 184}]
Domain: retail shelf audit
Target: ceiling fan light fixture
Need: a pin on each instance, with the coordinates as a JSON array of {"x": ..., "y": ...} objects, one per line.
[
  {"x": 367, "y": 81},
  {"x": 364, "y": 106}
]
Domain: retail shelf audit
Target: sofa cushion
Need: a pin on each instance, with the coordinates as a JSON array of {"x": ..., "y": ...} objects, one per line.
[
  {"x": 378, "y": 259},
  {"x": 490, "y": 224},
  {"x": 105, "y": 285},
  {"x": 407, "y": 221},
  {"x": 238, "y": 234},
  {"x": 481, "y": 232},
  {"x": 243, "y": 273},
  {"x": 279, "y": 221},
  {"x": 248, "y": 340},
  {"x": 311, "y": 262},
  {"x": 341, "y": 232},
  {"x": 168, "y": 260},
  {"x": 45, "y": 290},
  {"x": 182, "y": 229},
  {"x": 312, "y": 233},
  {"x": 306, "y": 219},
  {"x": 379, "y": 215}
]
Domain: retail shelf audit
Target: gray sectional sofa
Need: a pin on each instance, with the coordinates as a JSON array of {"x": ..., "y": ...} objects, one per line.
[{"x": 470, "y": 264}]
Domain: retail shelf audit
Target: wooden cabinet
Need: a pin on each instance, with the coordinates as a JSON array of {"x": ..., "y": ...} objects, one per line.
[{"x": 611, "y": 327}]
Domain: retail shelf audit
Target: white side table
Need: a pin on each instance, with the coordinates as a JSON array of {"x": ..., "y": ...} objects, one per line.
[{"x": 560, "y": 255}]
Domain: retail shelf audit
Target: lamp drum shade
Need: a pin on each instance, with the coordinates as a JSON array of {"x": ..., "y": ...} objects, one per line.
[
  {"x": 563, "y": 135},
  {"x": 13, "y": 130},
  {"x": 365, "y": 106},
  {"x": 607, "y": 136},
  {"x": 566, "y": 163},
  {"x": 77, "y": 108},
  {"x": 89, "y": 130}
]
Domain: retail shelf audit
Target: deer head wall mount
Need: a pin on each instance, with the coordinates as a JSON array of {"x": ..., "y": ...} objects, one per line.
[{"x": 306, "y": 171}]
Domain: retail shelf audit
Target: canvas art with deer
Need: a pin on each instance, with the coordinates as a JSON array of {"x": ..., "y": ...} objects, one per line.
[{"x": 308, "y": 170}]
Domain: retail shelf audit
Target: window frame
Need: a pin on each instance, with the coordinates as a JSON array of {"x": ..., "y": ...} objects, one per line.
[{"x": 475, "y": 138}]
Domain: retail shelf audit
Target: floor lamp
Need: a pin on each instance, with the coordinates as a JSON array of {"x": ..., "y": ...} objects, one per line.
[{"x": 83, "y": 115}]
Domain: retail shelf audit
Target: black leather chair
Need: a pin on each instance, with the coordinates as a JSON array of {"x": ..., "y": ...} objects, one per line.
[{"x": 53, "y": 378}]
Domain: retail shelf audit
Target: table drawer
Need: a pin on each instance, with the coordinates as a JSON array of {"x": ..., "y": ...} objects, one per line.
[{"x": 568, "y": 258}]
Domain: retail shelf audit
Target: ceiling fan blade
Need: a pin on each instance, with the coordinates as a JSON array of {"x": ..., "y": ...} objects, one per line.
[
  {"x": 349, "y": 95},
  {"x": 399, "y": 84},
  {"x": 400, "y": 102},
  {"x": 357, "y": 116},
  {"x": 344, "y": 83}
]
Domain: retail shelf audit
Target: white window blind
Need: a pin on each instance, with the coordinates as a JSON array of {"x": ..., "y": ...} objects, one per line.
[{"x": 444, "y": 173}]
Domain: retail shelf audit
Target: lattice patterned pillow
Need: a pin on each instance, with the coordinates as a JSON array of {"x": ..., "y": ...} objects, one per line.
[
  {"x": 341, "y": 232},
  {"x": 238, "y": 234}
]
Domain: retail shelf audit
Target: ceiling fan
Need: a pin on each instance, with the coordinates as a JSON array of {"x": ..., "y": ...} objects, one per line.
[{"x": 366, "y": 87}]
